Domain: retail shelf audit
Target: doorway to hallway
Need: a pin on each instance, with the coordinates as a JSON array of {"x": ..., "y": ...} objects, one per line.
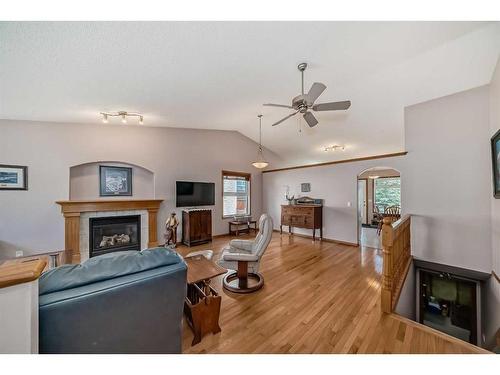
[{"x": 379, "y": 194}]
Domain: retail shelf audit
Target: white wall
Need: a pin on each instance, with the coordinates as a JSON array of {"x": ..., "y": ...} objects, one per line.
[
  {"x": 336, "y": 184},
  {"x": 448, "y": 179},
  {"x": 492, "y": 323},
  {"x": 31, "y": 221}
]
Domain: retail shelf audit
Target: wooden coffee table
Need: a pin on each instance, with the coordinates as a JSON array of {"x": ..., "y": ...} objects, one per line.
[{"x": 202, "y": 303}]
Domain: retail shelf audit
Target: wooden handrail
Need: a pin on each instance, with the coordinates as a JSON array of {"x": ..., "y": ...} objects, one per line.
[{"x": 396, "y": 246}]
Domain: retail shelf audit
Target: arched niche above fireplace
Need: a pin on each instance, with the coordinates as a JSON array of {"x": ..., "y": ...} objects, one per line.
[{"x": 84, "y": 181}]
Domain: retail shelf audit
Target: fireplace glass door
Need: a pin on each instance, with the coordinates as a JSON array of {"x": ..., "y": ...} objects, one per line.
[{"x": 114, "y": 233}]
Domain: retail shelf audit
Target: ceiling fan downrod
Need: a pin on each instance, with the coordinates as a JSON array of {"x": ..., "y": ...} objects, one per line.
[{"x": 302, "y": 67}]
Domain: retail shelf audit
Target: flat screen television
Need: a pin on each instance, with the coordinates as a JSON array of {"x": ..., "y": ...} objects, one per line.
[{"x": 192, "y": 194}]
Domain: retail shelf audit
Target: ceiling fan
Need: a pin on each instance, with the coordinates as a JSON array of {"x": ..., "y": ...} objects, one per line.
[{"x": 305, "y": 102}]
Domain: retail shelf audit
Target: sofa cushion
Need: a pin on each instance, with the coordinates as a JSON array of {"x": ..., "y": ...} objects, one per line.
[{"x": 107, "y": 266}]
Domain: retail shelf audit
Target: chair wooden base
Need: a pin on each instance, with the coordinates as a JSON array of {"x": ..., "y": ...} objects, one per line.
[{"x": 241, "y": 281}]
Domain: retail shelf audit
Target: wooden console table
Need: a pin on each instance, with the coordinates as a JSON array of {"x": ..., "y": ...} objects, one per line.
[
  {"x": 202, "y": 304},
  {"x": 308, "y": 216}
]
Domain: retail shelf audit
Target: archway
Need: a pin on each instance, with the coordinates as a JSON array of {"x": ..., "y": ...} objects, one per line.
[
  {"x": 84, "y": 180},
  {"x": 379, "y": 192}
]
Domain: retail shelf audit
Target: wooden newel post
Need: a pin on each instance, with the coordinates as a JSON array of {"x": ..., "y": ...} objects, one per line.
[{"x": 387, "y": 243}]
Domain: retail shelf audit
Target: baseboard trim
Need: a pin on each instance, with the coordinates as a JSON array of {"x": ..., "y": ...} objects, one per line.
[{"x": 331, "y": 240}]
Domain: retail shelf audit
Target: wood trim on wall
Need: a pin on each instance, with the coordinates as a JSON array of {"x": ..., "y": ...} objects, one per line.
[{"x": 382, "y": 156}]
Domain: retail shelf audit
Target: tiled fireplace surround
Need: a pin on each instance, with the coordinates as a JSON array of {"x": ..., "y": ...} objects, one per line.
[{"x": 78, "y": 213}]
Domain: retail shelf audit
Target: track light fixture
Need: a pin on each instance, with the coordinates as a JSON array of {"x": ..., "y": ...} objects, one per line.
[
  {"x": 334, "y": 148},
  {"x": 123, "y": 114}
]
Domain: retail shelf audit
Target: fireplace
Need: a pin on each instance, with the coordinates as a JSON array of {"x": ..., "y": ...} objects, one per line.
[{"x": 114, "y": 233}]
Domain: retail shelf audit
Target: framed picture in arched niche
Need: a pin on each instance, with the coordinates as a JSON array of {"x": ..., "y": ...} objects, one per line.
[
  {"x": 115, "y": 181},
  {"x": 495, "y": 156}
]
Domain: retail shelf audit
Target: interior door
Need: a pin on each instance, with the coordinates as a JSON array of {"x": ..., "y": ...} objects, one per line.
[{"x": 362, "y": 202}]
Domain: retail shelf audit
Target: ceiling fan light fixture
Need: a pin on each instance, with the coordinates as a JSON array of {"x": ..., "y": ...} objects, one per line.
[
  {"x": 261, "y": 162},
  {"x": 105, "y": 118}
]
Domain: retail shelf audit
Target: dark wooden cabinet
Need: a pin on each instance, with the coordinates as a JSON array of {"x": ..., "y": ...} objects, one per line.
[
  {"x": 196, "y": 227},
  {"x": 308, "y": 216}
]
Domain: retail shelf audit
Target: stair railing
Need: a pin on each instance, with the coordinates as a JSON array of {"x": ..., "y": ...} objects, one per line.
[{"x": 396, "y": 246}]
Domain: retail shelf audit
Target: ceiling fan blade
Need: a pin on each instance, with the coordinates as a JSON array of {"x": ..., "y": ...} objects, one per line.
[
  {"x": 333, "y": 106},
  {"x": 310, "y": 119},
  {"x": 285, "y": 118},
  {"x": 315, "y": 91},
  {"x": 277, "y": 105}
]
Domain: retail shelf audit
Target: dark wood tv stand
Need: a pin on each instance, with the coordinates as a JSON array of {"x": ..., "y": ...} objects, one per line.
[{"x": 196, "y": 226}]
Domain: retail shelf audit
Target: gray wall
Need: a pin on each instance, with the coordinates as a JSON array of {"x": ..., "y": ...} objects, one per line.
[
  {"x": 493, "y": 287},
  {"x": 31, "y": 221},
  {"x": 448, "y": 179}
]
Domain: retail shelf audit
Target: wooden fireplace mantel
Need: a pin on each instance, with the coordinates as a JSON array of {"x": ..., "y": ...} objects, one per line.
[{"x": 72, "y": 210}]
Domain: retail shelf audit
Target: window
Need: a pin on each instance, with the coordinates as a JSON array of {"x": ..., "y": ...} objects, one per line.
[
  {"x": 235, "y": 193},
  {"x": 387, "y": 192}
]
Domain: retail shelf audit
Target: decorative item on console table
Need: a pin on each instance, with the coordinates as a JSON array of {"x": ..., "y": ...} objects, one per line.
[
  {"x": 196, "y": 226},
  {"x": 300, "y": 215}
]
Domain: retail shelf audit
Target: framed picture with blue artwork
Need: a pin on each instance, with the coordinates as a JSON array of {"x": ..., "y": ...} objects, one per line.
[
  {"x": 495, "y": 156},
  {"x": 13, "y": 177},
  {"x": 115, "y": 181}
]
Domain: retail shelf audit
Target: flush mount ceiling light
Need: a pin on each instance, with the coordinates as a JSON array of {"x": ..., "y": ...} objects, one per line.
[
  {"x": 334, "y": 148},
  {"x": 373, "y": 177},
  {"x": 261, "y": 162},
  {"x": 123, "y": 114}
]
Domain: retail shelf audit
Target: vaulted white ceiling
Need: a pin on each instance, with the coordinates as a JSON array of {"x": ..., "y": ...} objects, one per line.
[{"x": 217, "y": 75}]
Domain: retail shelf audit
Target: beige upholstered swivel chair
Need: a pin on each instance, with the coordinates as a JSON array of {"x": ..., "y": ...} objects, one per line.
[{"x": 244, "y": 256}]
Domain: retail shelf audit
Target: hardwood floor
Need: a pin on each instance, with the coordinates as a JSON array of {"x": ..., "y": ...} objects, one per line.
[{"x": 318, "y": 298}]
